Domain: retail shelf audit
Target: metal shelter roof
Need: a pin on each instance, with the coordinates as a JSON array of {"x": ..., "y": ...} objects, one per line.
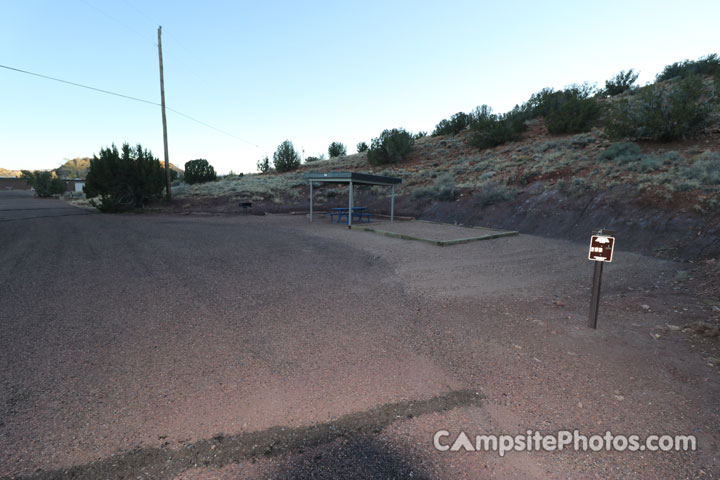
[{"x": 354, "y": 177}]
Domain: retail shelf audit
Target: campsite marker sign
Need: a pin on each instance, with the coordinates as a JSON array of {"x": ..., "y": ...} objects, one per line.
[
  {"x": 602, "y": 244},
  {"x": 601, "y": 248}
]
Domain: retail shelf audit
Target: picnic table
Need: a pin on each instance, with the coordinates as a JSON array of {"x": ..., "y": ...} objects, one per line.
[{"x": 358, "y": 213}]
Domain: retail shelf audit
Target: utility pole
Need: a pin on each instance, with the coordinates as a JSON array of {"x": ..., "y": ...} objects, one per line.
[{"x": 162, "y": 103}]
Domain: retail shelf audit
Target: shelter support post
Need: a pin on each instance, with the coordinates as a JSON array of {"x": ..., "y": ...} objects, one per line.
[
  {"x": 350, "y": 205},
  {"x": 311, "y": 200},
  {"x": 392, "y": 204}
]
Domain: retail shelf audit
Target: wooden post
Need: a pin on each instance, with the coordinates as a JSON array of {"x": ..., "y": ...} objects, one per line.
[
  {"x": 164, "y": 119},
  {"x": 595, "y": 301}
]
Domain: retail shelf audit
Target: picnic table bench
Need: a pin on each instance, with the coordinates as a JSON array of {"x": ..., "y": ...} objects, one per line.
[{"x": 358, "y": 213}]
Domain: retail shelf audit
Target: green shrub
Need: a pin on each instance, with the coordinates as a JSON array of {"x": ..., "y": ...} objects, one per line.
[
  {"x": 311, "y": 159},
  {"x": 263, "y": 165},
  {"x": 705, "y": 169},
  {"x": 650, "y": 163},
  {"x": 124, "y": 180},
  {"x": 621, "y": 153},
  {"x": 573, "y": 187},
  {"x": 362, "y": 147},
  {"x": 664, "y": 112},
  {"x": 489, "y": 130},
  {"x": 573, "y": 110},
  {"x": 709, "y": 65},
  {"x": 390, "y": 147},
  {"x": 286, "y": 159},
  {"x": 423, "y": 192},
  {"x": 199, "y": 171},
  {"x": 490, "y": 193},
  {"x": 456, "y": 124},
  {"x": 443, "y": 189},
  {"x": 671, "y": 157},
  {"x": 337, "y": 149},
  {"x": 540, "y": 103},
  {"x": 419, "y": 135},
  {"x": 620, "y": 83},
  {"x": 44, "y": 184}
]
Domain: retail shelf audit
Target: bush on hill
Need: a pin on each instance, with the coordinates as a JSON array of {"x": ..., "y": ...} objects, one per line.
[
  {"x": 620, "y": 83},
  {"x": 337, "y": 149},
  {"x": 709, "y": 65},
  {"x": 263, "y": 165},
  {"x": 489, "y": 130},
  {"x": 390, "y": 147},
  {"x": 456, "y": 124},
  {"x": 491, "y": 192},
  {"x": 199, "y": 171},
  {"x": 705, "y": 169},
  {"x": 620, "y": 153},
  {"x": 286, "y": 159},
  {"x": 573, "y": 110},
  {"x": 664, "y": 112}
]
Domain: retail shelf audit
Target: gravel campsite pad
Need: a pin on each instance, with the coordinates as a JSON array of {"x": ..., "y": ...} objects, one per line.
[
  {"x": 203, "y": 347},
  {"x": 441, "y": 234}
]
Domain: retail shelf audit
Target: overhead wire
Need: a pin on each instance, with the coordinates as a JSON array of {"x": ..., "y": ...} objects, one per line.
[
  {"x": 192, "y": 69},
  {"x": 129, "y": 97}
]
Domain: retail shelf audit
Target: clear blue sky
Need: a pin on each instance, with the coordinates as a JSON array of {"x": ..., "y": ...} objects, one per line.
[{"x": 312, "y": 72}]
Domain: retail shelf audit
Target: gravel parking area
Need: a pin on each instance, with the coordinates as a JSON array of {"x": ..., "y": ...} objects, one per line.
[{"x": 198, "y": 347}]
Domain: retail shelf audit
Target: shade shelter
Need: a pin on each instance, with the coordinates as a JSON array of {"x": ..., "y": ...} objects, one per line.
[{"x": 353, "y": 178}]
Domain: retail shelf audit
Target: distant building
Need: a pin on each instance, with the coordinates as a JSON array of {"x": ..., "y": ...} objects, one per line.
[
  {"x": 13, "y": 183},
  {"x": 74, "y": 184}
]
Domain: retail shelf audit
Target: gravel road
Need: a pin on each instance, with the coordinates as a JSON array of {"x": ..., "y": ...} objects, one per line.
[{"x": 171, "y": 346}]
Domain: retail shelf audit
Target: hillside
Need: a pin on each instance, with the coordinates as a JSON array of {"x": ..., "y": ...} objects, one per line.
[
  {"x": 644, "y": 161},
  {"x": 661, "y": 198},
  {"x": 73, "y": 168},
  {"x": 9, "y": 173}
]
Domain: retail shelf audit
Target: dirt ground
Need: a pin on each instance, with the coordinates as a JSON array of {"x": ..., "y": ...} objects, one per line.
[{"x": 202, "y": 347}]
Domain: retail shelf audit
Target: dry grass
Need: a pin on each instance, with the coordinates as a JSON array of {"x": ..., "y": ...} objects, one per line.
[{"x": 268, "y": 185}]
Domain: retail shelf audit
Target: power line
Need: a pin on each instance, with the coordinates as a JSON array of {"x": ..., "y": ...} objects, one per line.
[
  {"x": 81, "y": 86},
  {"x": 129, "y": 98},
  {"x": 210, "y": 126},
  {"x": 192, "y": 68}
]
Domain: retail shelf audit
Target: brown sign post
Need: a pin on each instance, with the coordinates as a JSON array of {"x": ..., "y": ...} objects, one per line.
[{"x": 602, "y": 244}]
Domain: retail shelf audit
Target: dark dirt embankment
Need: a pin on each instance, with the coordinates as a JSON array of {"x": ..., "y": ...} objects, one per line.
[{"x": 641, "y": 226}]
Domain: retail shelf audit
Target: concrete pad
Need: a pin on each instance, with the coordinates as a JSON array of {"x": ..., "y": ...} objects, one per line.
[{"x": 440, "y": 234}]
